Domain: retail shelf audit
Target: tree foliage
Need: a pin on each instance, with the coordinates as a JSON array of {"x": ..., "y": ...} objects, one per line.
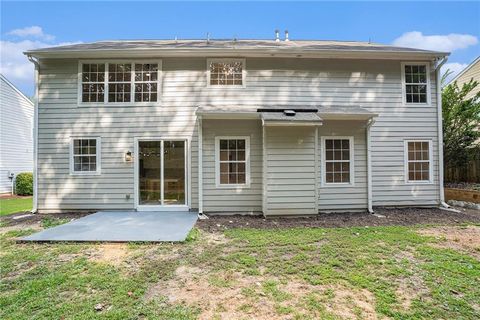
[{"x": 461, "y": 123}]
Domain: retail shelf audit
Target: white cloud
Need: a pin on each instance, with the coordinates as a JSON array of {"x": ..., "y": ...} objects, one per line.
[
  {"x": 15, "y": 66},
  {"x": 31, "y": 32},
  {"x": 454, "y": 68},
  {"x": 445, "y": 43}
]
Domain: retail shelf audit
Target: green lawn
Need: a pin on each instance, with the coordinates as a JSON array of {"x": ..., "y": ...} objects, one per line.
[
  {"x": 13, "y": 205},
  {"x": 298, "y": 273}
]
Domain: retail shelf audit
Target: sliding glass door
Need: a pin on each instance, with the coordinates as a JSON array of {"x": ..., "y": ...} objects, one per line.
[{"x": 161, "y": 173}]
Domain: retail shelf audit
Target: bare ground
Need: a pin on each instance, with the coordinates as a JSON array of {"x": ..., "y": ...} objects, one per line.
[
  {"x": 393, "y": 217},
  {"x": 466, "y": 239},
  {"x": 233, "y": 295}
]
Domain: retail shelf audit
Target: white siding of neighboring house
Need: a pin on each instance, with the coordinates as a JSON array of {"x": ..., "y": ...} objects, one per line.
[
  {"x": 374, "y": 85},
  {"x": 16, "y": 134}
]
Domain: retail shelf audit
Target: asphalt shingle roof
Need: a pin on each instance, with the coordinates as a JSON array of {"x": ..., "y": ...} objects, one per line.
[{"x": 240, "y": 45}]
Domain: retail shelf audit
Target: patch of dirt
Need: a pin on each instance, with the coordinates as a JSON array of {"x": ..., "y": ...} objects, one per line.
[
  {"x": 457, "y": 238},
  {"x": 111, "y": 253},
  {"x": 410, "y": 287},
  {"x": 393, "y": 217},
  {"x": 232, "y": 295},
  {"x": 37, "y": 226},
  {"x": 12, "y": 220}
]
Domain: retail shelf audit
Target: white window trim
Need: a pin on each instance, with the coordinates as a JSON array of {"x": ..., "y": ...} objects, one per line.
[
  {"x": 404, "y": 98},
  {"x": 430, "y": 162},
  {"x": 132, "y": 96},
  {"x": 244, "y": 73},
  {"x": 324, "y": 182},
  {"x": 217, "y": 163},
  {"x": 98, "y": 155}
]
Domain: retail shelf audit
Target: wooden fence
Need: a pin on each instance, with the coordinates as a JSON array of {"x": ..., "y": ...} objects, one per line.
[{"x": 470, "y": 172}]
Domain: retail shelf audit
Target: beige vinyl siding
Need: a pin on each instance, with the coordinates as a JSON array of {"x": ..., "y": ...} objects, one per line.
[
  {"x": 345, "y": 197},
  {"x": 372, "y": 84},
  {"x": 290, "y": 165},
  {"x": 473, "y": 72},
  {"x": 236, "y": 199}
]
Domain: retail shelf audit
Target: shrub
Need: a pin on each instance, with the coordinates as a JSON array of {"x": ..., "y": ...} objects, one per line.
[{"x": 24, "y": 184}]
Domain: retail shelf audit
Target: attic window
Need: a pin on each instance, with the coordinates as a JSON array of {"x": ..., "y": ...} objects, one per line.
[{"x": 226, "y": 72}]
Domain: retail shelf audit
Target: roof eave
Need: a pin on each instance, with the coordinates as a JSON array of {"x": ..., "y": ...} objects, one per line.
[{"x": 236, "y": 52}]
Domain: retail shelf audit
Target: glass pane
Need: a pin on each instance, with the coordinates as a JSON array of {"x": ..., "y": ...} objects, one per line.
[
  {"x": 149, "y": 172},
  {"x": 224, "y": 144},
  {"x": 174, "y": 172},
  {"x": 241, "y": 178},
  {"x": 329, "y": 177},
  {"x": 224, "y": 178}
]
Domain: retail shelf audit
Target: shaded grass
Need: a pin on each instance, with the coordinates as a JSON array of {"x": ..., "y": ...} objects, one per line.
[{"x": 14, "y": 205}]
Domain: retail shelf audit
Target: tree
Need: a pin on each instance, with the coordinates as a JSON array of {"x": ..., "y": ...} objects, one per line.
[{"x": 461, "y": 123}]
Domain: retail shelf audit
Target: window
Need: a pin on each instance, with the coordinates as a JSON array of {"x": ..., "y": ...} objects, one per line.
[
  {"x": 119, "y": 82},
  {"x": 232, "y": 161},
  {"x": 418, "y": 167},
  {"x": 93, "y": 82},
  {"x": 338, "y": 160},
  {"x": 85, "y": 156},
  {"x": 226, "y": 72},
  {"x": 123, "y": 82},
  {"x": 416, "y": 83},
  {"x": 146, "y": 86}
]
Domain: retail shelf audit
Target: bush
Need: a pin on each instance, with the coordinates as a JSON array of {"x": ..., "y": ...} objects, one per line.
[{"x": 24, "y": 184}]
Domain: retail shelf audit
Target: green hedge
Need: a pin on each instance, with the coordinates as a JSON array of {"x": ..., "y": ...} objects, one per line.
[{"x": 24, "y": 184}]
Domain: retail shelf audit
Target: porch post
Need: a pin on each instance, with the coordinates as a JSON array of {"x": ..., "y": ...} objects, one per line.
[
  {"x": 200, "y": 165},
  {"x": 369, "y": 167},
  {"x": 264, "y": 170},
  {"x": 316, "y": 169}
]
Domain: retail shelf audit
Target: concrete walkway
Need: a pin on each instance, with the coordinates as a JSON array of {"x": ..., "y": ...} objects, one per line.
[{"x": 122, "y": 226}]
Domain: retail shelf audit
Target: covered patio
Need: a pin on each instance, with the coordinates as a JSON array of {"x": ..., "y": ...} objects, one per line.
[{"x": 286, "y": 155}]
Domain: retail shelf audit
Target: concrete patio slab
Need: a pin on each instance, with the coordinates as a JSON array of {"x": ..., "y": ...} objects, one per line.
[{"x": 122, "y": 226}]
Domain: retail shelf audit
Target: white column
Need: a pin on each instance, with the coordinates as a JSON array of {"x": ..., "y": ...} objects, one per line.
[{"x": 200, "y": 165}]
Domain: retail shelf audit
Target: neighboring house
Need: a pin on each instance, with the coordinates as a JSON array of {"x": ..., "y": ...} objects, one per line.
[
  {"x": 472, "y": 71},
  {"x": 16, "y": 134},
  {"x": 237, "y": 126}
]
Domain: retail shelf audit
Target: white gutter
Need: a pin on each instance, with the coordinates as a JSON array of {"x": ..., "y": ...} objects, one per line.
[
  {"x": 200, "y": 165},
  {"x": 369, "y": 167},
  {"x": 440, "y": 131},
  {"x": 35, "y": 136},
  {"x": 235, "y": 52}
]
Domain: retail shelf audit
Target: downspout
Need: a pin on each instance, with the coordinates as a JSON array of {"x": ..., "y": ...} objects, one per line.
[
  {"x": 440, "y": 132},
  {"x": 369, "y": 167},
  {"x": 200, "y": 166},
  {"x": 35, "y": 135}
]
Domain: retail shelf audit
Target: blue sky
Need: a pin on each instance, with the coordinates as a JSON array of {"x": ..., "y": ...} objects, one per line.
[{"x": 452, "y": 26}]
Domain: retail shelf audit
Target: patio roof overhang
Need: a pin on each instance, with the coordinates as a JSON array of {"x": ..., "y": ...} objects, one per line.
[{"x": 311, "y": 115}]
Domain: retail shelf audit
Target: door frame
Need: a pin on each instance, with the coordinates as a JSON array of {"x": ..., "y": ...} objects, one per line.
[{"x": 188, "y": 185}]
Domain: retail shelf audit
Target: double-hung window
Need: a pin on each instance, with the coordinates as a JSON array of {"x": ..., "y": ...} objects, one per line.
[
  {"x": 415, "y": 83},
  {"x": 93, "y": 82},
  {"x": 232, "y": 161},
  {"x": 418, "y": 161},
  {"x": 226, "y": 72},
  {"x": 119, "y": 82},
  {"x": 338, "y": 160},
  {"x": 85, "y": 156}
]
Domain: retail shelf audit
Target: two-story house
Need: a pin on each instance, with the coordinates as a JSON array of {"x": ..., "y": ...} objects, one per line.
[{"x": 237, "y": 126}]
